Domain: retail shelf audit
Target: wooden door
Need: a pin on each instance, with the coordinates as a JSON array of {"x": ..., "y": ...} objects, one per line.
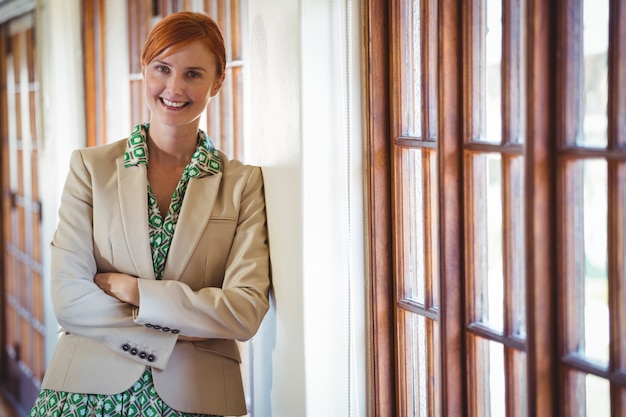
[{"x": 22, "y": 336}]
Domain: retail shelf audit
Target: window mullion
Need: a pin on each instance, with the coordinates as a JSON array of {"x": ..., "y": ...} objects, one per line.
[
  {"x": 452, "y": 322},
  {"x": 617, "y": 280},
  {"x": 617, "y": 200},
  {"x": 543, "y": 396}
]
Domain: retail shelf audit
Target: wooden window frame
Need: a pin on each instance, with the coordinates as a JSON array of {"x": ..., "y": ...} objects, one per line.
[
  {"x": 94, "y": 62},
  {"x": 573, "y": 363},
  {"x": 616, "y": 111},
  {"x": 547, "y": 358},
  {"x": 381, "y": 379}
]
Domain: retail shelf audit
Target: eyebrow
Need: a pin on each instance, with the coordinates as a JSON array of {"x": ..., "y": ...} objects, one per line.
[
  {"x": 158, "y": 61},
  {"x": 196, "y": 69}
]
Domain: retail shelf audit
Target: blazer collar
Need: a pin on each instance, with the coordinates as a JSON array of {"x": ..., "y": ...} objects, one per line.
[
  {"x": 194, "y": 215},
  {"x": 133, "y": 198}
]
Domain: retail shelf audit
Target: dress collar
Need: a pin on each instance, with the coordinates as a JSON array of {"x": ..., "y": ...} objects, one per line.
[{"x": 204, "y": 161}]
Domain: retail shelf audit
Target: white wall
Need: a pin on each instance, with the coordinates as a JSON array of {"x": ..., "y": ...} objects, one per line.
[
  {"x": 62, "y": 118},
  {"x": 274, "y": 142},
  {"x": 305, "y": 132}
]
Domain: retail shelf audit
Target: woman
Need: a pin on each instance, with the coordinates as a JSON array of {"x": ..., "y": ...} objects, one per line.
[{"x": 160, "y": 259}]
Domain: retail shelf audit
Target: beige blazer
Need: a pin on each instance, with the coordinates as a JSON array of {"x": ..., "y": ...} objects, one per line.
[{"x": 215, "y": 283}]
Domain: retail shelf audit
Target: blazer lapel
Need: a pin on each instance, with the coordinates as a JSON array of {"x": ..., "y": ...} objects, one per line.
[
  {"x": 194, "y": 215},
  {"x": 133, "y": 197}
]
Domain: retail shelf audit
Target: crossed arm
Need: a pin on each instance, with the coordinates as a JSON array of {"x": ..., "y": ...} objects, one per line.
[{"x": 125, "y": 288}]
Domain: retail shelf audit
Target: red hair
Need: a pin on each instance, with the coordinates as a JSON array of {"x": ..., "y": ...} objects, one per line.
[{"x": 180, "y": 29}]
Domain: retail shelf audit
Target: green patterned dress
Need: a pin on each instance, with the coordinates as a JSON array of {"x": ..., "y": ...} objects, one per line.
[{"x": 141, "y": 399}]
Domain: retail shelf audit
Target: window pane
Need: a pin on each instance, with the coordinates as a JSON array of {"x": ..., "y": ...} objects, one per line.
[
  {"x": 595, "y": 249},
  {"x": 486, "y": 230},
  {"x": 597, "y": 396},
  {"x": 493, "y": 81},
  {"x": 514, "y": 74},
  {"x": 513, "y": 235},
  {"x": 489, "y": 398},
  {"x": 585, "y": 256},
  {"x": 418, "y": 359},
  {"x": 417, "y": 225},
  {"x": 494, "y": 241},
  {"x": 432, "y": 218},
  {"x": 413, "y": 57},
  {"x": 497, "y": 399},
  {"x": 595, "y": 79},
  {"x": 412, "y": 225},
  {"x": 420, "y": 324}
]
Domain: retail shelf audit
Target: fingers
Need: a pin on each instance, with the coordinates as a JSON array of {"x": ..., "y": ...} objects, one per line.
[{"x": 121, "y": 286}]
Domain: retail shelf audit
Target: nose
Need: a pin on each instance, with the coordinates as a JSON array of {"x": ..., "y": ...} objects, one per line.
[{"x": 175, "y": 84}]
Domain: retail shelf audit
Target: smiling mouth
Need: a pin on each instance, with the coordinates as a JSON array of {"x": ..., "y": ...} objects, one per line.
[{"x": 173, "y": 104}]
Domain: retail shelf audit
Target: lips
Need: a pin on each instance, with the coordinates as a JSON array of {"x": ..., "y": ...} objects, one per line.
[{"x": 173, "y": 104}]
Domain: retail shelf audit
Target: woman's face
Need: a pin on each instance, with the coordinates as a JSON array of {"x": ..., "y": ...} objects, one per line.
[{"x": 178, "y": 86}]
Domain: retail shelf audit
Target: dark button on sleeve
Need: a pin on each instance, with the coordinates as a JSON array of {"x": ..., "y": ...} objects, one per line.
[
  {"x": 134, "y": 351},
  {"x": 151, "y": 358},
  {"x": 125, "y": 347},
  {"x": 149, "y": 325},
  {"x": 143, "y": 354},
  {"x": 166, "y": 329},
  {"x": 157, "y": 327},
  {"x": 175, "y": 331}
]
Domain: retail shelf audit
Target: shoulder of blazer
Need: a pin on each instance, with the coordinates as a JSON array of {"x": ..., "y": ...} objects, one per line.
[
  {"x": 235, "y": 168},
  {"x": 108, "y": 152}
]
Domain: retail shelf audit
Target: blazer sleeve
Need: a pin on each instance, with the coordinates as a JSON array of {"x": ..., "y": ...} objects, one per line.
[
  {"x": 80, "y": 306},
  {"x": 235, "y": 310}
]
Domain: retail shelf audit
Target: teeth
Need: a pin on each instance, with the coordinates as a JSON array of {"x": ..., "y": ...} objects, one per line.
[{"x": 173, "y": 103}]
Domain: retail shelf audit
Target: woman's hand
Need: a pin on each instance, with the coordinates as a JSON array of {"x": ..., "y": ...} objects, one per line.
[
  {"x": 121, "y": 286},
  {"x": 124, "y": 288}
]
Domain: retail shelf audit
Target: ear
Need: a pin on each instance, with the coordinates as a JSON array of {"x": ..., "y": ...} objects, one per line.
[{"x": 217, "y": 86}]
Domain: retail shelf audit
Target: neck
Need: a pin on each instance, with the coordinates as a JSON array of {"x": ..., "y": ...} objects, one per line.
[{"x": 172, "y": 145}]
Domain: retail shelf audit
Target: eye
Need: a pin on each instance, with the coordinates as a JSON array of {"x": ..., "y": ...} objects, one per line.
[
  {"x": 193, "y": 74},
  {"x": 162, "y": 68}
]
